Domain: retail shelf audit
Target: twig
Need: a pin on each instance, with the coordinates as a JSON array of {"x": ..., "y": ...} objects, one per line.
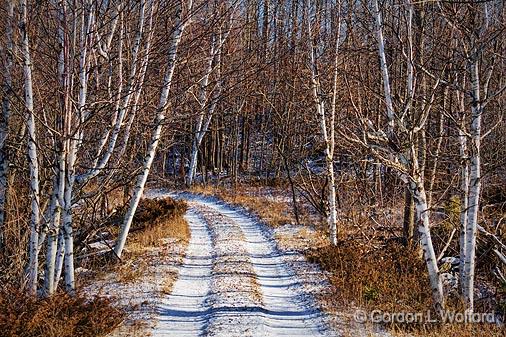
[{"x": 445, "y": 248}]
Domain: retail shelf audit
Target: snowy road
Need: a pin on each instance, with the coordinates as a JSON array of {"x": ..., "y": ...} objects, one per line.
[{"x": 233, "y": 281}]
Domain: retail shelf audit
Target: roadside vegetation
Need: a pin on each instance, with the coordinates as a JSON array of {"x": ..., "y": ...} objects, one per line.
[
  {"x": 371, "y": 268},
  {"x": 89, "y": 312}
]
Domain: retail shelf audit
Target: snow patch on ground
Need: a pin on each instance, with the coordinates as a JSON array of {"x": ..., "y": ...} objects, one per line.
[{"x": 141, "y": 297}]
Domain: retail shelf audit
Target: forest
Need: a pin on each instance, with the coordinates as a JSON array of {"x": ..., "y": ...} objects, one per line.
[{"x": 372, "y": 129}]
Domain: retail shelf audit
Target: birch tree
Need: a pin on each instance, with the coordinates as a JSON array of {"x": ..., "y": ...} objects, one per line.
[
  {"x": 33, "y": 263},
  {"x": 179, "y": 27},
  {"x": 207, "y": 98},
  {"x": 480, "y": 95},
  {"x": 403, "y": 159},
  {"x": 57, "y": 202},
  {"x": 477, "y": 38},
  {"x": 327, "y": 131},
  {"x": 124, "y": 97}
]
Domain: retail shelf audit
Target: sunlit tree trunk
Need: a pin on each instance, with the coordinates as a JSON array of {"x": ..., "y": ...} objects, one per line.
[
  {"x": 208, "y": 97},
  {"x": 75, "y": 137},
  {"x": 180, "y": 26},
  {"x": 124, "y": 97},
  {"x": 32, "y": 151},
  {"x": 464, "y": 191},
  {"x": 410, "y": 161},
  {"x": 57, "y": 197},
  {"x": 199, "y": 128},
  {"x": 328, "y": 132},
  {"x": 474, "y": 187},
  {"x": 384, "y": 68}
]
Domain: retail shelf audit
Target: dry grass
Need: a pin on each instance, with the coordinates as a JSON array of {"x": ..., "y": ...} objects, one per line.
[
  {"x": 59, "y": 316},
  {"x": 175, "y": 228},
  {"x": 136, "y": 262},
  {"x": 365, "y": 277},
  {"x": 155, "y": 222},
  {"x": 154, "y": 248},
  {"x": 274, "y": 212},
  {"x": 390, "y": 278}
]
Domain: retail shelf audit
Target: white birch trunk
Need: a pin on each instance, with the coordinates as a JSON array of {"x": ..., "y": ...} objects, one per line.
[
  {"x": 124, "y": 97},
  {"x": 414, "y": 183},
  {"x": 416, "y": 186},
  {"x": 155, "y": 136},
  {"x": 464, "y": 187},
  {"x": 33, "y": 263},
  {"x": 203, "y": 126},
  {"x": 199, "y": 132},
  {"x": 60, "y": 256},
  {"x": 474, "y": 187},
  {"x": 54, "y": 226},
  {"x": 422, "y": 213},
  {"x": 138, "y": 89},
  {"x": 384, "y": 68},
  {"x": 73, "y": 145},
  {"x": 329, "y": 140},
  {"x": 57, "y": 197}
]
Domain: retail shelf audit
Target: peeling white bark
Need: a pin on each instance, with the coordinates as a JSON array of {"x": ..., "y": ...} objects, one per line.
[
  {"x": 422, "y": 212},
  {"x": 73, "y": 143},
  {"x": 384, "y": 67},
  {"x": 408, "y": 166},
  {"x": 205, "y": 118},
  {"x": 464, "y": 187},
  {"x": 328, "y": 132},
  {"x": 123, "y": 97}
]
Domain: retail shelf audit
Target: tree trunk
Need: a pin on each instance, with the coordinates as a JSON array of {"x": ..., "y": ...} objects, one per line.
[
  {"x": 33, "y": 263},
  {"x": 328, "y": 135},
  {"x": 155, "y": 136},
  {"x": 428, "y": 249},
  {"x": 474, "y": 187}
]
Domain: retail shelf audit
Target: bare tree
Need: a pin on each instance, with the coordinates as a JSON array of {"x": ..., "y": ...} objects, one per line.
[{"x": 179, "y": 27}]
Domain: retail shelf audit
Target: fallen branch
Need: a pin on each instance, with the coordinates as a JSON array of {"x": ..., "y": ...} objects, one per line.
[
  {"x": 445, "y": 248},
  {"x": 492, "y": 236},
  {"x": 500, "y": 255}
]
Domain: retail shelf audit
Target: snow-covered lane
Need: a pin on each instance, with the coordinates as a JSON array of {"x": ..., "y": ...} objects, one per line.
[
  {"x": 185, "y": 311},
  {"x": 284, "y": 310},
  {"x": 234, "y": 282}
]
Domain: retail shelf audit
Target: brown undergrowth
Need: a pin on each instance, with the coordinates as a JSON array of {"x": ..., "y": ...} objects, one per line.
[
  {"x": 58, "y": 316},
  {"x": 155, "y": 220},
  {"x": 389, "y": 278},
  {"x": 89, "y": 313}
]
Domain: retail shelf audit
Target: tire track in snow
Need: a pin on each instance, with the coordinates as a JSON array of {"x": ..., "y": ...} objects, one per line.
[
  {"x": 202, "y": 301},
  {"x": 185, "y": 311},
  {"x": 234, "y": 290}
]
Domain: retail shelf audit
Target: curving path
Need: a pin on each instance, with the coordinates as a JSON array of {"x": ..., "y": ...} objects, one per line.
[{"x": 233, "y": 281}]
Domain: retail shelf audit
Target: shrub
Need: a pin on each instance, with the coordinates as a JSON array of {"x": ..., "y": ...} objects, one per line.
[{"x": 61, "y": 315}]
